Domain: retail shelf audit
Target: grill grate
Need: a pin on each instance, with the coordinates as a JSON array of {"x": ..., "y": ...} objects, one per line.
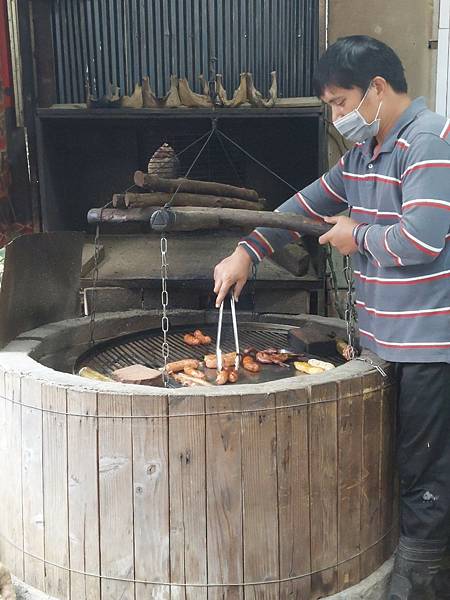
[{"x": 145, "y": 348}]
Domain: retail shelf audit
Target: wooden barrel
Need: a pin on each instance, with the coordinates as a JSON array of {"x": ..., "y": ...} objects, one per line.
[{"x": 276, "y": 491}]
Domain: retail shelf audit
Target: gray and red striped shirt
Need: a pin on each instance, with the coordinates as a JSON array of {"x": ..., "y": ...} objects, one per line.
[{"x": 401, "y": 200}]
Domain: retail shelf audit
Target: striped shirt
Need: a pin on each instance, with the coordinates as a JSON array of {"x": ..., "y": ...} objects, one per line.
[{"x": 401, "y": 201}]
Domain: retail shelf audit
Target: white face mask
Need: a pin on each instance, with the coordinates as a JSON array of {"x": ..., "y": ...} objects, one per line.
[{"x": 354, "y": 127}]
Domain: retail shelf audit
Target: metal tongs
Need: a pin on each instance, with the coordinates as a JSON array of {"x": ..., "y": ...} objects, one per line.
[{"x": 235, "y": 334}]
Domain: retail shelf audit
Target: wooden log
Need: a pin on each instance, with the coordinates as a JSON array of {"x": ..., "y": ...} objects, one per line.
[
  {"x": 133, "y": 200},
  {"x": 118, "y": 201},
  {"x": 294, "y": 257},
  {"x": 159, "y": 184},
  {"x": 194, "y": 219}
]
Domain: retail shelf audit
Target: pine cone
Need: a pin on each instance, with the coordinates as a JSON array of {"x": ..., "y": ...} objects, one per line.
[{"x": 164, "y": 163}]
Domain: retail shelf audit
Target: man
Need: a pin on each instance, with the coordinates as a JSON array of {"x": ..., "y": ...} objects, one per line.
[{"x": 396, "y": 182}]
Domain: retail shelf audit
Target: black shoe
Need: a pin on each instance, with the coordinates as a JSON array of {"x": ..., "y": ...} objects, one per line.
[{"x": 416, "y": 565}]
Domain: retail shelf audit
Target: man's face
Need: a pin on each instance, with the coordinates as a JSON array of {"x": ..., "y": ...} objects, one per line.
[{"x": 342, "y": 101}]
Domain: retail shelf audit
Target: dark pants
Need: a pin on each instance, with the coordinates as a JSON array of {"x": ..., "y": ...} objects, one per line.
[{"x": 423, "y": 449}]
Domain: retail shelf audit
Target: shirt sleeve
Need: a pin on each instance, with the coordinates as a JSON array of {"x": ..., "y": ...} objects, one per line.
[
  {"x": 324, "y": 197},
  {"x": 420, "y": 235}
]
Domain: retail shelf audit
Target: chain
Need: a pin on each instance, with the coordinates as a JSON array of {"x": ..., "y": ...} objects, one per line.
[
  {"x": 253, "y": 289},
  {"x": 164, "y": 304},
  {"x": 333, "y": 281},
  {"x": 350, "y": 312},
  {"x": 95, "y": 279}
]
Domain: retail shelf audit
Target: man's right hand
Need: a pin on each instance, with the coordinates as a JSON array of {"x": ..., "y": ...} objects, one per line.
[{"x": 233, "y": 270}]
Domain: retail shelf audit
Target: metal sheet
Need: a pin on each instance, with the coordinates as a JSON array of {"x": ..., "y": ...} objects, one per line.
[
  {"x": 120, "y": 41},
  {"x": 41, "y": 282}
]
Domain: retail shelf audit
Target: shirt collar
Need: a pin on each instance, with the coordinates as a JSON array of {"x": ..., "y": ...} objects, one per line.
[{"x": 416, "y": 107}]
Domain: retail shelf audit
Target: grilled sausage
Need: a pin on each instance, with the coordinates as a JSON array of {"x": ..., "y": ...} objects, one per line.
[
  {"x": 227, "y": 360},
  {"x": 191, "y": 340},
  {"x": 179, "y": 365},
  {"x": 233, "y": 375},
  {"x": 250, "y": 365},
  {"x": 204, "y": 339},
  {"x": 194, "y": 373},
  {"x": 222, "y": 377}
]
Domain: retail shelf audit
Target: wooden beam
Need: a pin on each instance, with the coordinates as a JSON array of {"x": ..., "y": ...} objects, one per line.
[{"x": 197, "y": 218}]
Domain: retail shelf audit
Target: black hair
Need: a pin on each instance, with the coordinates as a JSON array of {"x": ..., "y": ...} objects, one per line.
[{"x": 354, "y": 61}]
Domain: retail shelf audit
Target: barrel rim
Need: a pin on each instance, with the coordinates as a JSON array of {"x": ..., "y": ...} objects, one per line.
[{"x": 21, "y": 356}]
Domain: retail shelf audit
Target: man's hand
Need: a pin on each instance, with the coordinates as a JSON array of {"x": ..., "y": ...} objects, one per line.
[
  {"x": 233, "y": 270},
  {"x": 341, "y": 235}
]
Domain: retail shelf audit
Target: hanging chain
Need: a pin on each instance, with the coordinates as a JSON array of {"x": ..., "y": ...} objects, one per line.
[
  {"x": 333, "y": 281},
  {"x": 351, "y": 352},
  {"x": 253, "y": 289},
  {"x": 95, "y": 277},
  {"x": 165, "y": 325},
  {"x": 164, "y": 304},
  {"x": 350, "y": 311}
]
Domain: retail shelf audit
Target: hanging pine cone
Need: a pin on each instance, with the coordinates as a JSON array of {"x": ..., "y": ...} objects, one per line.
[{"x": 164, "y": 163}]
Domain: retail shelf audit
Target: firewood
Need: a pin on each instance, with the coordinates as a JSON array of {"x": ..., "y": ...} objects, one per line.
[
  {"x": 134, "y": 200},
  {"x": 158, "y": 184},
  {"x": 172, "y": 99},
  {"x": 133, "y": 101},
  {"x": 118, "y": 201},
  {"x": 190, "y": 98},
  {"x": 149, "y": 98}
]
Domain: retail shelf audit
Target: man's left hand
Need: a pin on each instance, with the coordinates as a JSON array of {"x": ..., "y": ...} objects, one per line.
[{"x": 341, "y": 235}]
